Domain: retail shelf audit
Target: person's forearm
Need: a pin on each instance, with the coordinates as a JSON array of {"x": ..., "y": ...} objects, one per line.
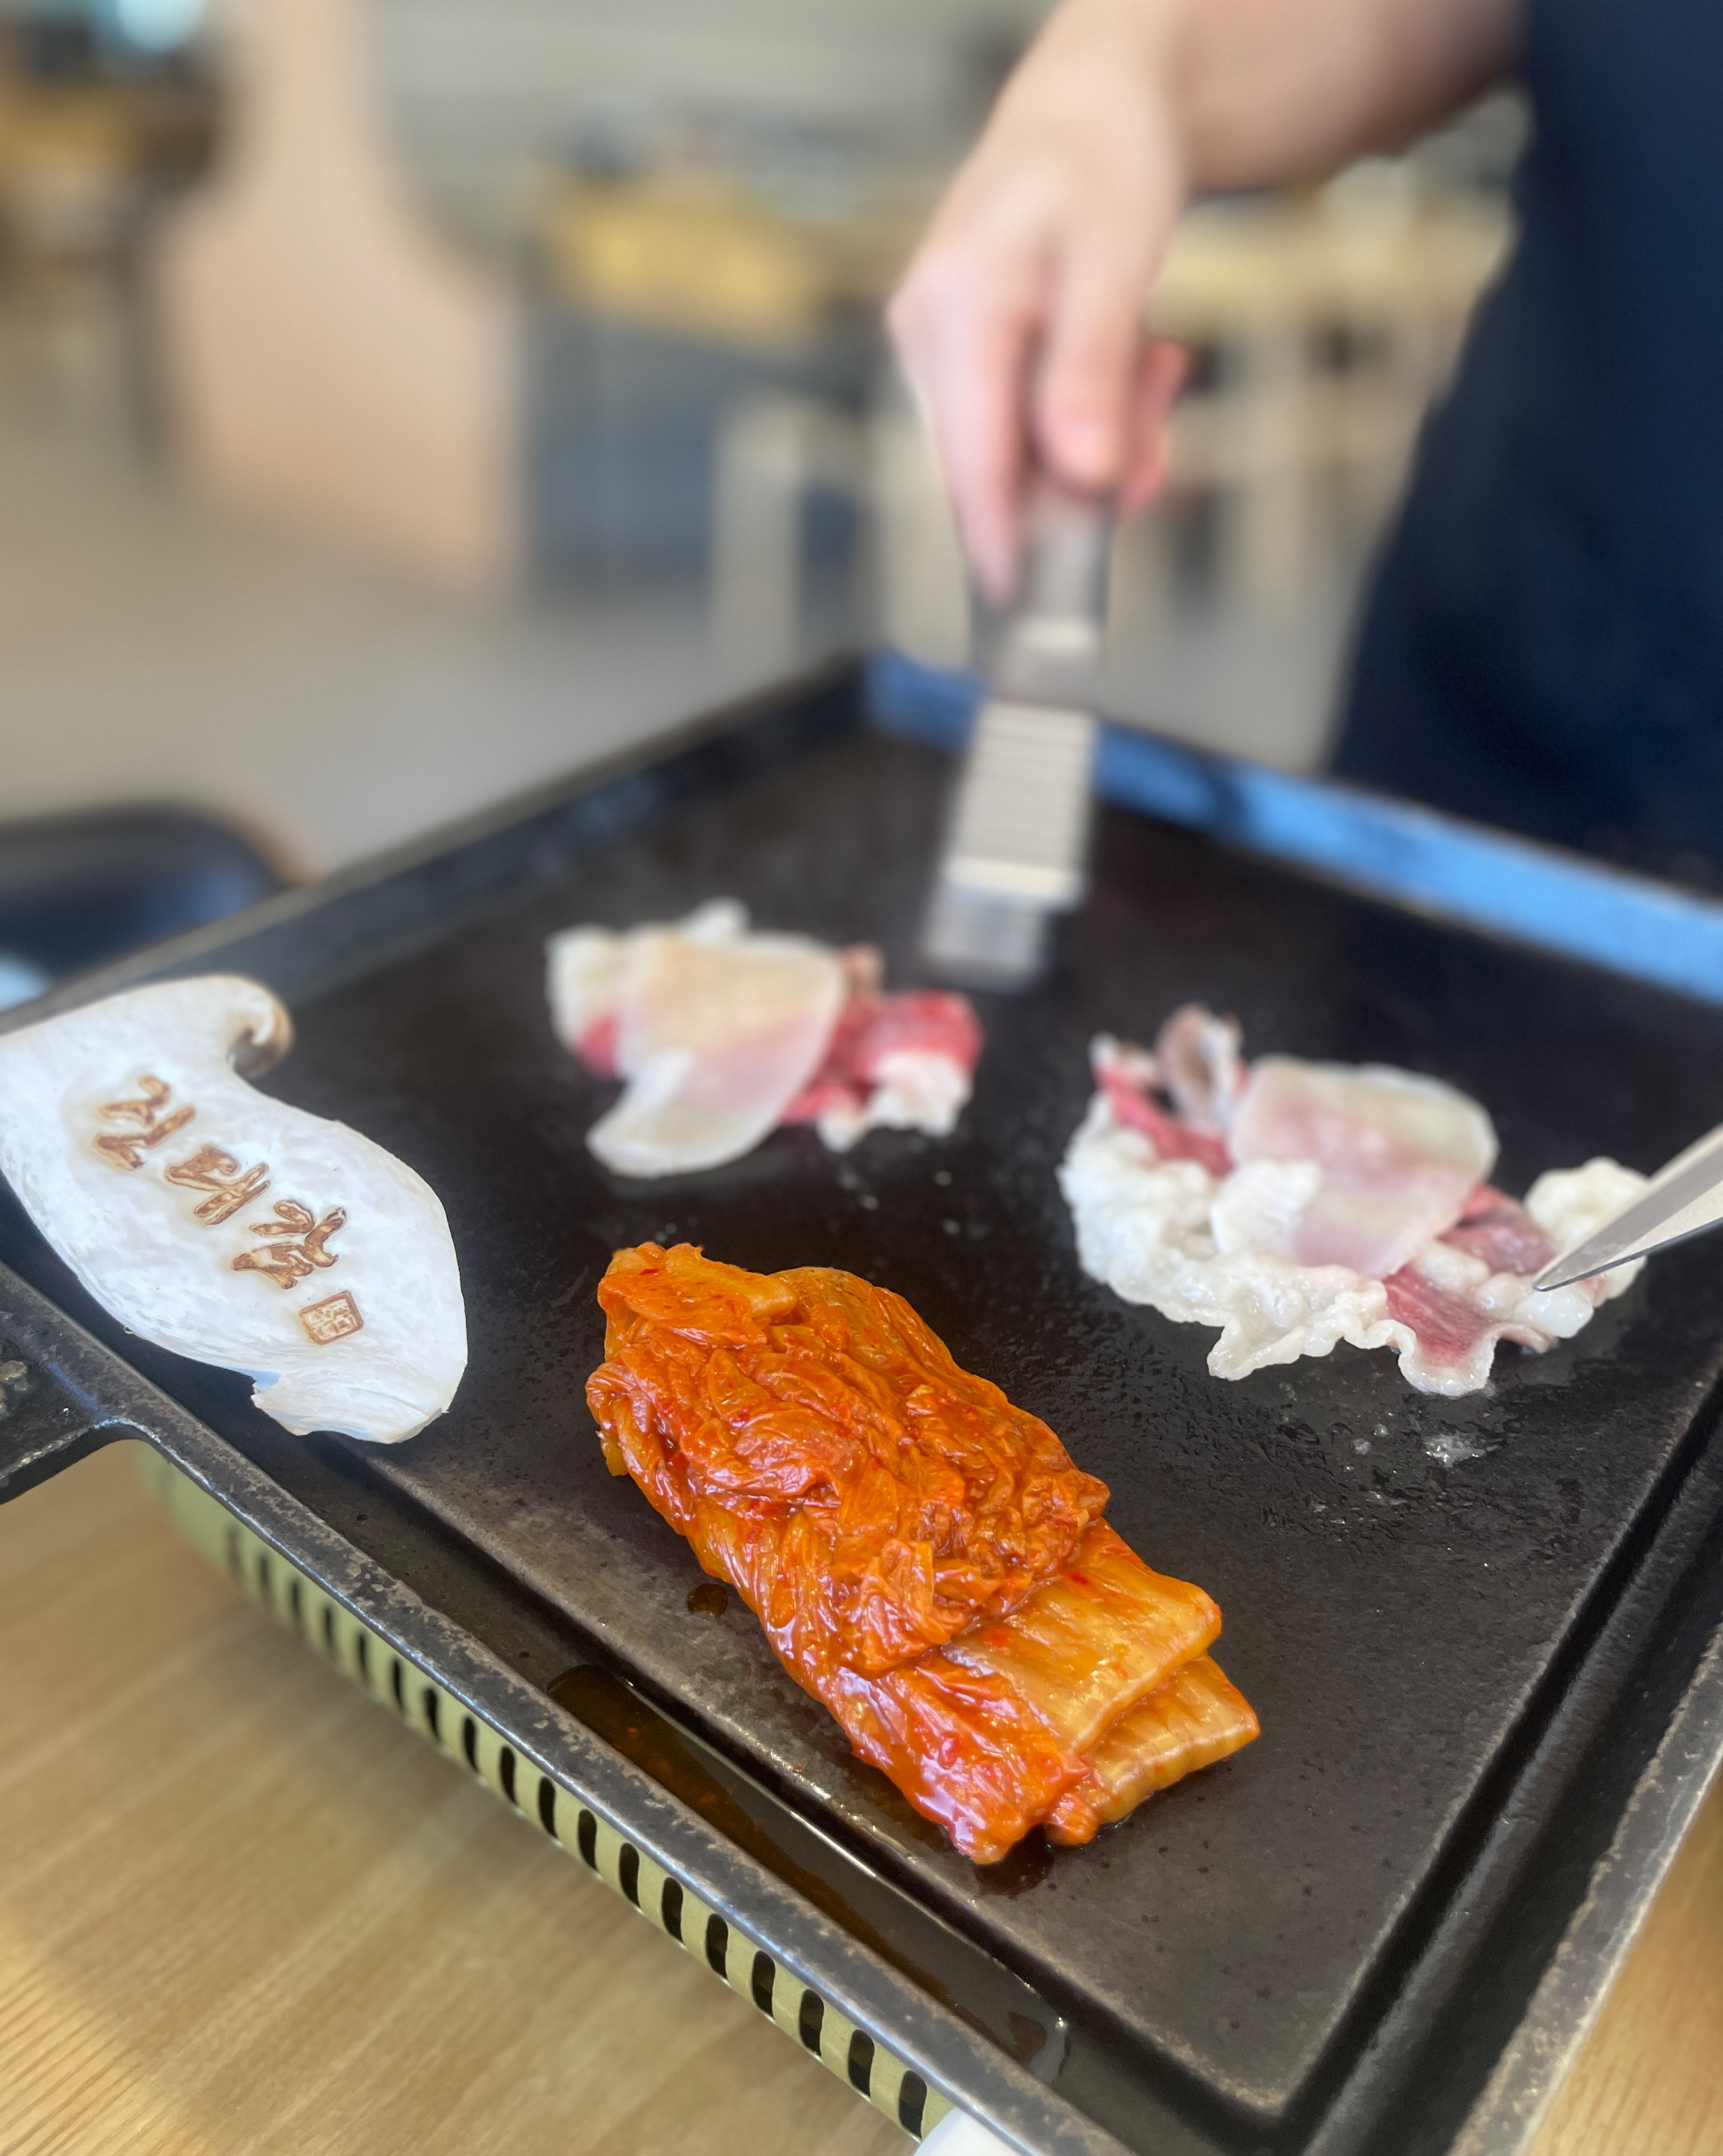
[
  {"x": 1020, "y": 320},
  {"x": 1271, "y": 91},
  {"x": 1261, "y": 93}
]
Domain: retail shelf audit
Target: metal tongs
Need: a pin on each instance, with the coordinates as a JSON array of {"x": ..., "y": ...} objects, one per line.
[
  {"x": 1683, "y": 1199},
  {"x": 1017, "y": 848}
]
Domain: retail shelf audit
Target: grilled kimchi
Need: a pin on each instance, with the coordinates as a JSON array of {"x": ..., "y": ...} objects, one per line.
[{"x": 925, "y": 1558}]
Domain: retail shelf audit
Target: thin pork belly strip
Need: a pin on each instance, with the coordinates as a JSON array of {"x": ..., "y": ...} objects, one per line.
[
  {"x": 1498, "y": 1229},
  {"x": 1397, "y": 1155},
  {"x": 714, "y": 1037},
  {"x": 1197, "y": 1717},
  {"x": 923, "y": 1557},
  {"x": 1127, "y": 1076}
]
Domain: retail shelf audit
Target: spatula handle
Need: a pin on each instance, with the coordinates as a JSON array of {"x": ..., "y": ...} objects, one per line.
[
  {"x": 1068, "y": 544},
  {"x": 1050, "y": 644}
]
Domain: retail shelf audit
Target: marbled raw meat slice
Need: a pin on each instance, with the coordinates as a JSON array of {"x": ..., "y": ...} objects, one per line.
[
  {"x": 1450, "y": 1341},
  {"x": 723, "y": 1034},
  {"x": 1471, "y": 1289},
  {"x": 1498, "y": 1229},
  {"x": 1200, "y": 1065},
  {"x": 1129, "y": 1076},
  {"x": 585, "y": 970},
  {"x": 902, "y": 1061},
  {"x": 1144, "y": 1227}
]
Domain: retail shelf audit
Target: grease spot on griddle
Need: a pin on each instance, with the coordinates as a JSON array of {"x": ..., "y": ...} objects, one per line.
[
  {"x": 1022, "y": 1868},
  {"x": 711, "y": 1598}
]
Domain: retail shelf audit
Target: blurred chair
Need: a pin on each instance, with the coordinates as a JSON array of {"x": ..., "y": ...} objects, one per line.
[
  {"x": 704, "y": 357},
  {"x": 326, "y": 357},
  {"x": 688, "y": 255},
  {"x": 774, "y": 453},
  {"x": 1327, "y": 324},
  {"x": 920, "y": 580},
  {"x": 77, "y": 890},
  {"x": 66, "y": 176}
]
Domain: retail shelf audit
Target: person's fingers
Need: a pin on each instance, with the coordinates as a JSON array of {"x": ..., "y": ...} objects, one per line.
[
  {"x": 965, "y": 336},
  {"x": 1019, "y": 322},
  {"x": 1161, "y": 369},
  {"x": 1084, "y": 382}
]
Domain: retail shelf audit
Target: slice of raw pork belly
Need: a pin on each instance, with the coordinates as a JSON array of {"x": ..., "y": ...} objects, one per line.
[
  {"x": 1297, "y": 1205},
  {"x": 721, "y": 1032}
]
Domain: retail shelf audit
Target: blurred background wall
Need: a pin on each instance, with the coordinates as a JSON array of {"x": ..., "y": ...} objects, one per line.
[
  {"x": 473, "y": 86},
  {"x": 404, "y": 400}
]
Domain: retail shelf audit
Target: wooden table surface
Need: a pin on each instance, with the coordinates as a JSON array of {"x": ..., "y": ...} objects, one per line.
[{"x": 244, "y": 1910}]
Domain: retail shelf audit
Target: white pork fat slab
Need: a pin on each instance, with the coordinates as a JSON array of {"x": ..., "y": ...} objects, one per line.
[{"x": 227, "y": 1226}]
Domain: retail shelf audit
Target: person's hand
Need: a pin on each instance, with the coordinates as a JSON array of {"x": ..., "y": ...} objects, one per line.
[{"x": 1020, "y": 320}]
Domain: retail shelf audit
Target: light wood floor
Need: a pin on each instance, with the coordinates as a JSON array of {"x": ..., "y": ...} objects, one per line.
[{"x": 243, "y": 1913}]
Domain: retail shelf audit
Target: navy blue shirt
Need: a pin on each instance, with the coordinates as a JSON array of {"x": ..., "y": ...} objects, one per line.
[{"x": 1543, "y": 646}]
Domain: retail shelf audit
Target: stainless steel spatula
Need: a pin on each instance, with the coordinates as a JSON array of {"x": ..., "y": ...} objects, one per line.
[{"x": 1017, "y": 848}]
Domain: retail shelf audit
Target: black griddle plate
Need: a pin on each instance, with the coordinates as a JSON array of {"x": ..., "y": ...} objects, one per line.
[{"x": 1410, "y": 1583}]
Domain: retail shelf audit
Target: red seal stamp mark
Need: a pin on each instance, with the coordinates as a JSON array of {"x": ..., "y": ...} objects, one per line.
[{"x": 335, "y": 1318}]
